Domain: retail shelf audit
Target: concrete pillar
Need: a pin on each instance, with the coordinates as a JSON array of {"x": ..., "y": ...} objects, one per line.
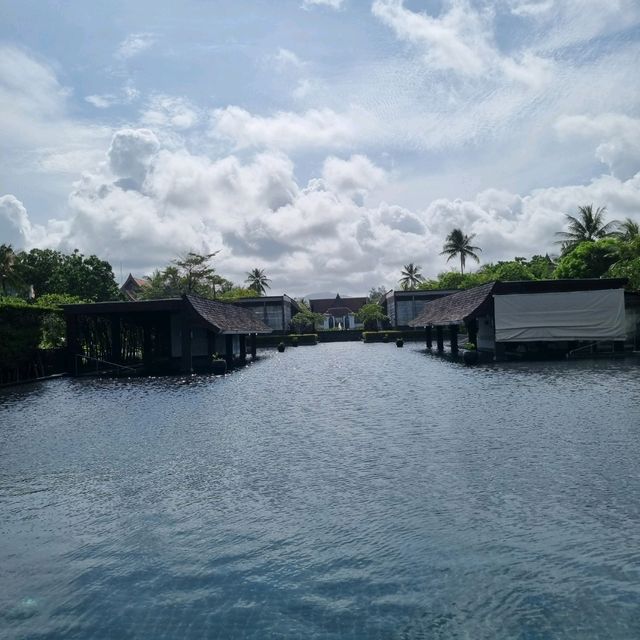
[
  {"x": 500, "y": 351},
  {"x": 428, "y": 337},
  {"x": 228, "y": 355},
  {"x": 453, "y": 332},
  {"x": 440, "y": 338},
  {"x": 147, "y": 355},
  {"x": 252, "y": 342},
  {"x": 472, "y": 330}
]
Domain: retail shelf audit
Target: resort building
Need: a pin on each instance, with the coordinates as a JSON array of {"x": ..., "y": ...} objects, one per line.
[
  {"x": 274, "y": 311},
  {"x": 165, "y": 336},
  {"x": 132, "y": 287},
  {"x": 339, "y": 313},
  {"x": 403, "y": 306},
  {"x": 540, "y": 318}
]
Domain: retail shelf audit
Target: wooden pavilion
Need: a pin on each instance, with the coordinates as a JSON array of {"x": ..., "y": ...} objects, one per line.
[{"x": 163, "y": 336}]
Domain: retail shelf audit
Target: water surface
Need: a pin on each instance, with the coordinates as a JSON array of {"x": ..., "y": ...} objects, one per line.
[{"x": 337, "y": 491}]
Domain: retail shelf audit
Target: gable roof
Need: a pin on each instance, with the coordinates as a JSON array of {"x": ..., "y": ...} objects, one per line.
[
  {"x": 226, "y": 317},
  {"x": 455, "y": 308},
  {"x": 329, "y": 305}
]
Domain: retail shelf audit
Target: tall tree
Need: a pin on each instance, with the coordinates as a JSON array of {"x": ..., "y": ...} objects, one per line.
[
  {"x": 195, "y": 270},
  {"x": 8, "y": 274},
  {"x": 587, "y": 226},
  {"x": 258, "y": 281},
  {"x": 459, "y": 244},
  {"x": 411, "y": 276},
  {"x": 377, "y": 293},
  {"x": 628, "y": 230}
]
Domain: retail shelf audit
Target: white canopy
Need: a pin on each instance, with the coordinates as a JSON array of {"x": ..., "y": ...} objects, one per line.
[{"x": 574, "y": 315}]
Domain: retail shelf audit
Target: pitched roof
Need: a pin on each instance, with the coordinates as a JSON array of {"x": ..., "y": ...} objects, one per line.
[
  {"x": 226, "y": 317},
  {"x": 326, "y": 305},
  {"x": 455, "y": 308}
]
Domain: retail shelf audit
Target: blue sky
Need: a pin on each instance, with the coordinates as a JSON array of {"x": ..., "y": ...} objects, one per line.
[{"x": 326, "y": 141}]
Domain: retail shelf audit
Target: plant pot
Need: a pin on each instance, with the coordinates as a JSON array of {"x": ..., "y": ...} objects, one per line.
[
  {"x": 399, "y": 342},
  {"x": 281, "y": 347}
]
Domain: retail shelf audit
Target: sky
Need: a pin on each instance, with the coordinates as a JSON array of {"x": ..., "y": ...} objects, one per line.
[{"x": 328, "y": 142}]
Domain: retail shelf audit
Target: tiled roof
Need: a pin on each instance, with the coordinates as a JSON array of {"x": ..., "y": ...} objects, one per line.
[
  {"x": 456, "y": 308},
  {"x": 226, "y": 317}
]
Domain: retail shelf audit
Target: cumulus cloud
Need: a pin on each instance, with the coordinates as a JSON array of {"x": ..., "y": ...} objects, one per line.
[
  {"x": 286, "y": 59},
  {"x": 319, "y": 232},
  {"x": 617, "y": 137},
  {"x": 315, "y": 128},
  {"x": 170, "y": 111}
]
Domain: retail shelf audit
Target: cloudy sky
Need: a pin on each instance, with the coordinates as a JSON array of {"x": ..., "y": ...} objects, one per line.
[{"x": 326, "y": 141}]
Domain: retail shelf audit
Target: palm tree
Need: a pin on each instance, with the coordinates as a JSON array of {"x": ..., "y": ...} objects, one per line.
[
  {"x": 628, "y": 230},
  {"x": 411, "y": 276},
  {"x": 258, "y": 281},
  {"x": 587, "y": 226},
  {"x": 459, "y": 244},
  {"x": 8, "y": 275}
]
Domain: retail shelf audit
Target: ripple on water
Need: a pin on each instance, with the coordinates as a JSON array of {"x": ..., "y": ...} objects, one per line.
[{"x": 339, "y": 491}]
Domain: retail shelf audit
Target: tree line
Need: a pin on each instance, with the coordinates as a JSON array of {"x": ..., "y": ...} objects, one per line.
[{"x": 590, "y": 247}]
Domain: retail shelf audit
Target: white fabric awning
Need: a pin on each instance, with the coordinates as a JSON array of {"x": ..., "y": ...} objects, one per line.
[{"x": 574, "y": 315}]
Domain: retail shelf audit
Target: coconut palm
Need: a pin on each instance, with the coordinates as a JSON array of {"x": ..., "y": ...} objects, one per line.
[
  {"x": 628, "y": 230},
  {"x": 587, "y": 226},
  {"x": 459, "y": 244},
  {"x": 8, "y": 275},
  {"x": 411, "y": 276},
  {"x": 258, "y": 281}
]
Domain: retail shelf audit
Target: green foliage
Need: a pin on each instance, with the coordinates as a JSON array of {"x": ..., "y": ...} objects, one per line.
[
  {"x": 381, "y": 336},
  {"x": 371, "y": 315},
  {"x": 411, "y": 276},
  {"x": 589, "y": 259},
  {"x": 235, "y": 293},
  {"x": 258, "y": 281},
  {"x": 72, "y": 274},
  {"x": 628, "y": 264},
  {"x": 306, "y": 318},
  {"x": 459, "y": 244},
  {"x": 587, "y": 226},
  {"x": 376, "y": 294},
  {"x": 9, "y": 276}
]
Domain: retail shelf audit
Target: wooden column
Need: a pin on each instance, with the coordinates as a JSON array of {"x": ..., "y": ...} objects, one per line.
[
  {"x": 453, "y": 329},
  {"x": 243, "y": 348},
  {"x": 253, "y": 343},
  {"x": 428, "y": 337},
  {"x": 147, "y": 355},
  {"x": 73, "y": 344},
  {"x": 228, "y": 356},
  {"x": 440, "y": 338},
  {"x": 186, "y": 363},
  {"x": 472, "y": 330},
  {"x": 116, "y": 339}
]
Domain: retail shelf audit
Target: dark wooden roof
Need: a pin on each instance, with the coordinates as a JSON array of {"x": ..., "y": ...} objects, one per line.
[
  {"x": 325, "y": 305},
  {"x": 455, "y": 308},
  {"x": 226, "y": 317},
  {"x": 470, "y": 303}
]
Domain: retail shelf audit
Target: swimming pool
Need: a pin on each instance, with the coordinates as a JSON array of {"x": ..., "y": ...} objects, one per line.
[{"x": 337, "y": 491}]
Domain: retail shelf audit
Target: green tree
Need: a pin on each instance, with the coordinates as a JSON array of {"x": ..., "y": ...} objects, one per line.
[
  {"x": 628, "y": 264},
  {"x": 589, "y": 259},
  {"x": 9, "y": 276},
  {"x": 587, "y": 226},
  {"x": 306, "y": 318},
  {"x": 459, "y": 244},
  {"x": 628, "y": 230},
  {"x": 258, "y": 281},
  {"x": 377, "y": 293},
  {"x": 371, "y": 315},
  {"x": 195, "y": 272},
  {"x": 235, "y": 293},
  {"x": 411, "y": 276}
]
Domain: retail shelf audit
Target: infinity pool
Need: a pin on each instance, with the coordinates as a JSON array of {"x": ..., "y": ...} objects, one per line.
[{"x": 337, "y": 491}]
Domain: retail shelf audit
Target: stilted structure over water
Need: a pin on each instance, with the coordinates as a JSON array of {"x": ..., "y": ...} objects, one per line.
[
  {"x": 162, "y": 336},
  {"x": 538, "y": 318}
]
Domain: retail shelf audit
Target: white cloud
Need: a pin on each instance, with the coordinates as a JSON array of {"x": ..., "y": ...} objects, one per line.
[
  {"x": 286, "y": 59},
  {"x": 353, "y": 177},
  {"x": 617, "y": 137},
  {"x": 134, "y": 44},
  {"x": 131, "y": 152},
  {"x": 332, "y": 4},
  {"x": 315, "y": 128},
  {"x": 170, "y": 111},
  {"x": 127, "y": 95}
]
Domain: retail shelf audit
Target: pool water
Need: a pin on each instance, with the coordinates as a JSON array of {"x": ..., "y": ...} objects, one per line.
[{"x": 336, "y": 491}]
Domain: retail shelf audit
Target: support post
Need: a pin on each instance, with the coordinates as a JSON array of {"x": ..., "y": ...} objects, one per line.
[
  {"x": 116, "y": 339},
  {"x": 253, "y": 343},
  {"x": 243, "y": 348},
  {"x": 73, "y": 344},
  {"x": 500, "y": 352},
  {"x": 440, "y": 339},
  {"x": 472, "y": 331},
  {"x": 186, "y": 363},
  {"x": 228, "y": 356},
  {"x": 453, "y": 332},
  {"x": 428, "y": 337},
  {"x": 147, "y": 355}
]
